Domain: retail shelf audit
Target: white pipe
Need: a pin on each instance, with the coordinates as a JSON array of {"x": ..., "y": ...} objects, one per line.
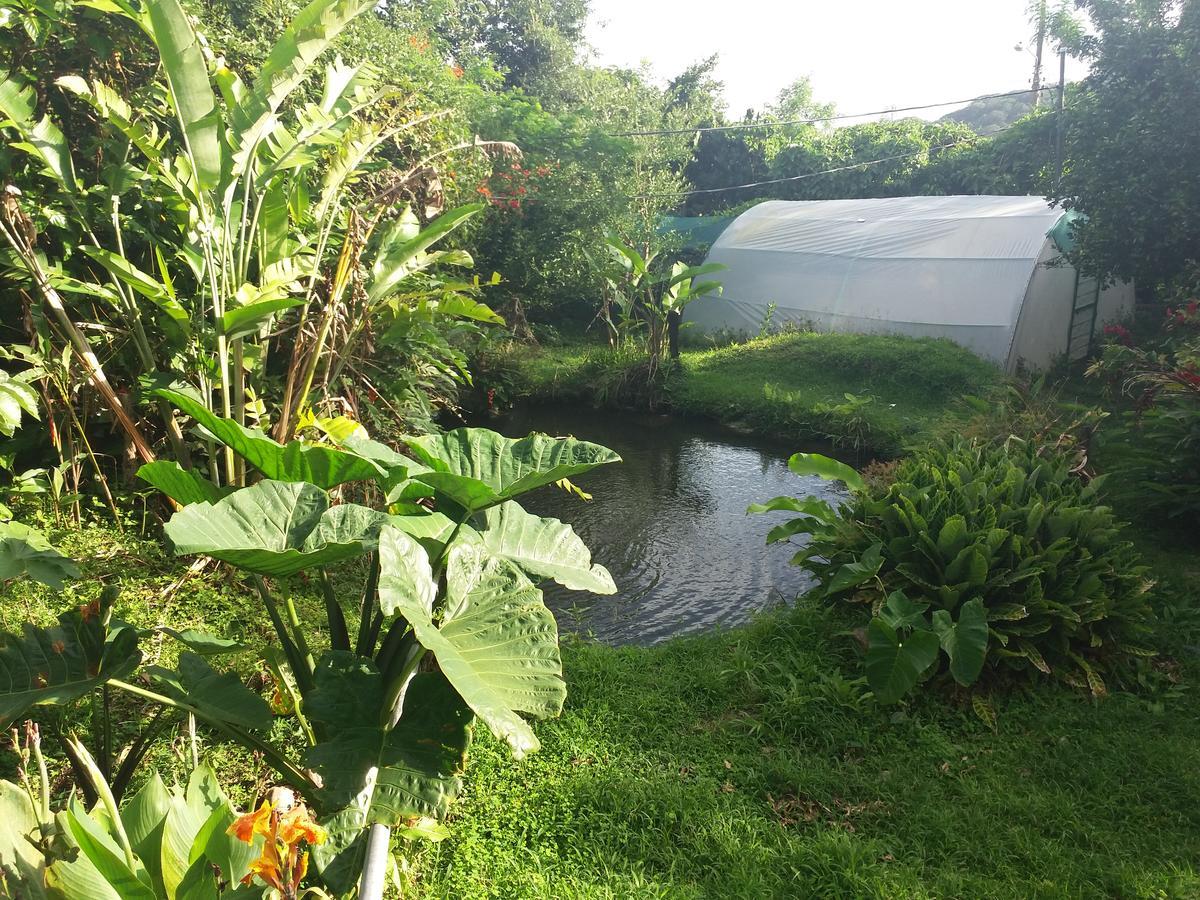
[{"x": 374, "y": 873}]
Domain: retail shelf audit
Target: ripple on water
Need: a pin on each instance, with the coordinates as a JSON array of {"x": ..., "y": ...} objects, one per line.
[{"x": 670, "y": 524}]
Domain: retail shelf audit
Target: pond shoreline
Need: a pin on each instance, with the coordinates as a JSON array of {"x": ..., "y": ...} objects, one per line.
[{"x": 860, "y": 395}]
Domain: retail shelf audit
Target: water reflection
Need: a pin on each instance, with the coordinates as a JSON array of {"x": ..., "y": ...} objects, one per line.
[{"x": 670, "y": 524}]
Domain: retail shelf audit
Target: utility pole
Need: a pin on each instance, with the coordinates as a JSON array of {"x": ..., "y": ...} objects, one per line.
[
  {"x": 1037, "y": 58},
  {"x": 1060, "y": 125}
]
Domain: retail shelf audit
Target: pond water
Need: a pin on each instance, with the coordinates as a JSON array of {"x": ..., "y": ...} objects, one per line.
[{"x": 670, "y": 523}]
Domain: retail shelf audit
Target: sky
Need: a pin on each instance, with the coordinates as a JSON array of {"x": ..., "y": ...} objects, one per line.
[{"x": 859, "y": 54}]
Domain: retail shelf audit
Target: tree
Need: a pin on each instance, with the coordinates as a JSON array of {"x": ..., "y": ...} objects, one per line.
[{"x": 1133, "y": 138}]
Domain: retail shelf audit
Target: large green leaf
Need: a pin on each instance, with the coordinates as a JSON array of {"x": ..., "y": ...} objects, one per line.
[
  {"x": 275, "y": 528},
  {"x": 965, "y": 641},
  {"x": 398, "y": 253},
  {"x": 824, "y": 467},
  {"x": 386, "y": 777},
  {"x": 191, "y": 92},
  {"x": 182, "y": 485},
  {"x": 203, "y": 643},
  {"x": 40, "y": 138},
  {"x": 179, "y": 323},
  {"x": 325, "y": 467},
  {"x": 851, "y": 575},
  {"x": 391, "y": 775},
  {"x": 144, "y": 818},
  {"x": 404, "y": 572},
  {"x": 310, "y": 33},
  {"x": 220, "y": 695},
  {"x": 189, "y": 812},
  {"x": 16, "y": 397},
  {"x": 24, "y": 551},
  {"x": 478, "y": 468},
  {"x": 497, "y": 644},
  {"x": 893, "y": 665},
  {"x": 543, "y": 547},
  {"x": 103, "y": 853},
  {"x": 57, "y": 664},
  {"x": 20, "y": 860}
]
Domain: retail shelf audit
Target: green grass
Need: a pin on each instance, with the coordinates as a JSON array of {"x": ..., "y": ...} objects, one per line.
[
  {"x": 749, "y": 764},
  {"x": 789, "y": 386}
]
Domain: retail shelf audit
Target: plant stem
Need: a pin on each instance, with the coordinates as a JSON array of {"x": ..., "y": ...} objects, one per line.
[
  {"x": 274, "y": 758},
  {"x": 104, "y": 792},
  {"x": 339, "y": 635},
  {"x": 290, "y": 650},
  {"x": 366, "y": 613},
  {"x": 298, "y": 633}
]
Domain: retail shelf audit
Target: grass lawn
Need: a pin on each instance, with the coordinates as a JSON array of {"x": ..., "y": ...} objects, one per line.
[
  {"x": 788, "y": 386},
  {"x": 748, "y": 764}
]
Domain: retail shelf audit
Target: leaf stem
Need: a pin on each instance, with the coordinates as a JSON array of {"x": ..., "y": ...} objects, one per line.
[
  {"x": 339, "y": 635},
  {"x": 274, "y": 757}
]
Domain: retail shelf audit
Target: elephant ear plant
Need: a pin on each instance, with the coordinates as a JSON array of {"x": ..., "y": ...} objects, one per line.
[
  {"x": 984, "y": 561},
  {"x": 451, "y": 626}
]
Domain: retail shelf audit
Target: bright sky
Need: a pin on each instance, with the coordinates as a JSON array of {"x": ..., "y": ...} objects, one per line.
[{"x": 860, "y": 54}]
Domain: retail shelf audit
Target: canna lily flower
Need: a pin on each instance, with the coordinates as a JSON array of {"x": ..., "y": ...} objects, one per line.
[
  {"x": 297, "y": 824},
  {"x": 246, "y": 827},
  {"x": 281, "y": 865}
]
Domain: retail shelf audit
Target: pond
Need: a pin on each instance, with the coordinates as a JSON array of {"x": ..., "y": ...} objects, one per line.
[{"x": 670, "y": 523}]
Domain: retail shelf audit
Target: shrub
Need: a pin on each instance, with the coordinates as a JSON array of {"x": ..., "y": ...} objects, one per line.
[
  {"x": 1153, "y": 450},
  {"x": 983, "y": 561}
]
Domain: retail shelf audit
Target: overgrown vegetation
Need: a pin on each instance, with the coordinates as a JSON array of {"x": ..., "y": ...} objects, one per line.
[
  {"x": 1000, "y": 557},
  {"x": 232, "y": 233}
]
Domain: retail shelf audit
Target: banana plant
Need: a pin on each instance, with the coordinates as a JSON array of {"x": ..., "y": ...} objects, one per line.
[
  {"x": 451, "y": 626},
  {"x": 657, "y": 296},
  {"x": 681, "y": 289},
  {"x": 259, "y": 207}
]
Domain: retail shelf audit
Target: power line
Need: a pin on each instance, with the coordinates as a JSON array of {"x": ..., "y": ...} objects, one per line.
[
  {"x": 757, "y": 184},
  {"x": 837, "y": 118}
]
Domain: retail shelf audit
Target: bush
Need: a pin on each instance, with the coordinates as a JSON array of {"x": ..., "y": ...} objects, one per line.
[
  {"x": 984, "y": 561},
  {"x": 1153, "y": 450}
]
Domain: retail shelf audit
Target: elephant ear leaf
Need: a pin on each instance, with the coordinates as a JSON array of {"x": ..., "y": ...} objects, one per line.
[
  {"x": 497, "y": 643},
  {"x": 182, "y": 485},
  {"x": 25, "y": 552},
  {"x": 965, "y": 641},
  {"x": 383, "y": 776},
  {"x": 219, "y": 695},
  {"x": 317, "y": 464},
  {"x": 544, "y": 547},
  {"x": 895, "y": 665},
  {"x": 275, "y": 528},
  {"x": 478, "y": 468},
  {"x": 61, "y": 663}
]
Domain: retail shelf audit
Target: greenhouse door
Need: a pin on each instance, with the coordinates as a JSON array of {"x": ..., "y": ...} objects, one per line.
[{"x": 1083, "y": 317}]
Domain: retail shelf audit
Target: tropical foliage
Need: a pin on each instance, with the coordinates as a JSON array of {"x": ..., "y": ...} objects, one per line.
[
  {"x": 1154, "y": 447},
  {"x": 977, "y": 561}
]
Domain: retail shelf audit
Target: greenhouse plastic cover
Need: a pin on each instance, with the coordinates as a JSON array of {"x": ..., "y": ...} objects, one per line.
[{"x": 954, "y": 267}]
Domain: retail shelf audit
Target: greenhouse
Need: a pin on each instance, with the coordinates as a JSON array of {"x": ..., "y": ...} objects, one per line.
[{"x": 986, "y": 272}]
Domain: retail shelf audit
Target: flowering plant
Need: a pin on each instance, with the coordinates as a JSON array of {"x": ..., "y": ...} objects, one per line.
[{"x": 285, "y": 828}]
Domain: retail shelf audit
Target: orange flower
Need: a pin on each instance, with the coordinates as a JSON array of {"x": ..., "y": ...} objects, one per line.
[
  {"x": 456, "y": 71},
  {"x": 297, "y": 824},
  {"x": 300, "y": 871},
  {"x": 266, "y": 868},
  {"x": 244, "y": 828}
]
